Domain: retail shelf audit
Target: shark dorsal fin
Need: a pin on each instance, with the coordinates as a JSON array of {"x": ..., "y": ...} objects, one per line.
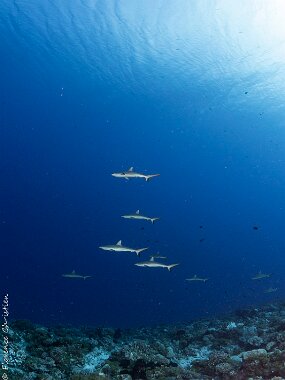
[
  {"x": 119, "y": 242},
  {"x": 73, "y": 272},
  {"x": 195, "y": 276},
  {"x": 151, "y": 258},
  {"x": 131, "y": 169},
  {"x": 137, "y": 212}
]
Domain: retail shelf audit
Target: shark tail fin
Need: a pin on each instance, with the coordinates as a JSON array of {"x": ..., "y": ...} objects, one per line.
[
  {"x": 153, "y": 220},
  {"x": 138, "y": 251},
  {"x": 170, "y": 267},
  {"x": 148, "y": 177}
]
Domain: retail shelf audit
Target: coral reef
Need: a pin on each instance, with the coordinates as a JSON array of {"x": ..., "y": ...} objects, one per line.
[{"x": 249, "y": 344}]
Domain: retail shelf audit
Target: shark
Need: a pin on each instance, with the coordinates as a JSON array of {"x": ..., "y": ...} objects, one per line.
[
  {"x": 271, "y": 290},
  {"x": 73, "y": 274},
  {"x": 157, "y": 257},
  {"x": 132, "y": 174},
  {"x": 154, "y": 264},
  {"x": 196, "y": 278},
  {"x": 260, "y": 276},
  {"x": 120, "y": 248},
  {"x": 138, "y": 216}
]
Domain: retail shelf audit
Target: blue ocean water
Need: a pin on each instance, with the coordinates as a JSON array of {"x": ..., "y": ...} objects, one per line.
[{"x": 191, "y": 90}]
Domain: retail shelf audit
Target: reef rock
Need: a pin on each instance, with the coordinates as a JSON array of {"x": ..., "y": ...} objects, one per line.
[{"x": 246, "y": 345}]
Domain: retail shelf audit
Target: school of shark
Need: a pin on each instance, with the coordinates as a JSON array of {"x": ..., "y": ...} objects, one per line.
[{"x": 152, "y": 262}]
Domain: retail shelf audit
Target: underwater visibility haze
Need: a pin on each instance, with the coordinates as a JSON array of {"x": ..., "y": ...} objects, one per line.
[{"x": 191, "y": 90}]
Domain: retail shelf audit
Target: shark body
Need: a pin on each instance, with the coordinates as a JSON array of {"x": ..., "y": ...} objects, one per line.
[
  {"x": 132, "y": 174},
  {"x": 138, "y": 216},
  {"x": 120, "y": 248},
  {"x": 196, "y": 278},
  {"x": 154, "y": 264},
  {"x": 270, "y": 290},
  {"x": 73, "y": 274},
  {"x": 157, "y": 257},
  {"x": 260, "y": 276}
]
